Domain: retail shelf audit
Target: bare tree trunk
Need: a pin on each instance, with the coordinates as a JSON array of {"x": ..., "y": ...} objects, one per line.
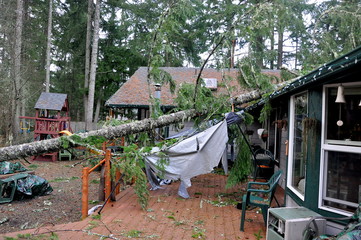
[
  {"x": 93, "y": 66},
  {"x": 97, "y": 109},
  {"x": 52, "y": 145},
  {"x": 17, "y": 67},
  {"x": 48, "y": 46},
  {"x": 280, "y": 49},
  {"x": 87, "y": 55}
]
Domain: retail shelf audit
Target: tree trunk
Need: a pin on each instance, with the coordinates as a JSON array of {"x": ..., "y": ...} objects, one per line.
[
  {"x": 257, "y": 94},
  {"x": 52, "y": 145},
  {"x": 280, "y": 49},
  {"x": 93, "y": 66},
  {"x": 17, "y": 68},
  {"x": 97, "y": 109},
  {"x": 87, "y": 55},
  {"x": 48, "y": 47}
]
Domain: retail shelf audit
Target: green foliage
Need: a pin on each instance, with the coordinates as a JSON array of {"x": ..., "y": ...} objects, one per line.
[
  {"x": 133, "y": 234},
  {"x": 250, "y": 75},
  {"x": 215, "y": 107},
  {"x": 243, "y": 163},
  {"x": 258, "y": 235},
  {"x": 265, "y": 112}
]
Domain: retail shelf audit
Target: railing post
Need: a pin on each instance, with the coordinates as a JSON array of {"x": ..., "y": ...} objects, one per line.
[
  {"x": 107, "y": 179},
  {"x": 85, "y": 193}
]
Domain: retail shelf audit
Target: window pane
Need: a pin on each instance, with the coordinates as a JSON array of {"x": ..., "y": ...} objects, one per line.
[
  {"x": 298, "y": 163},
  {"x": 349, "y": 113},
  {"x": 343, "y": 178}
]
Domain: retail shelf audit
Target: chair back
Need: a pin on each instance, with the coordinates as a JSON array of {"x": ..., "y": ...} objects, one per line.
[{"x": 273, "y": 182}]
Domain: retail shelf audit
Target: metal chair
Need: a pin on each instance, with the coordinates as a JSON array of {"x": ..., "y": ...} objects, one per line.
[
  {"x": 264, "y": 163},
  {"x": 8, "y": 187}
]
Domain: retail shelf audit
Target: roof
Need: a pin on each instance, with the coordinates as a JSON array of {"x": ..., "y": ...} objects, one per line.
[
  {"x": 51, "y": 101},
  {"x": 320, "y": 75},
  {"x": 134, "y": 92}
]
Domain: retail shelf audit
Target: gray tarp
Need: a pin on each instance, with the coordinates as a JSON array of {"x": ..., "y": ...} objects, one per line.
[{"x": 193, "y": 156}]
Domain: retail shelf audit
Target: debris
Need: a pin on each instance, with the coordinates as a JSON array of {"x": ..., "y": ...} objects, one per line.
[
  {"x": 47, "y": 203},
  {"x": 93, "y": 209},
  {"x": 4, "y": 220}
]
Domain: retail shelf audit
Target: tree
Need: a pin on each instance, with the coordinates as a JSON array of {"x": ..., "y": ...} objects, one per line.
[
  {"x": 55, "y": 144},
  {"x": 335, "y": 29},
  {"x": 93, "y": 67},
  {"x": 87, "y": 54},
  {"x": 48, "y": 46},
  {"x": 17, "y": 87}
]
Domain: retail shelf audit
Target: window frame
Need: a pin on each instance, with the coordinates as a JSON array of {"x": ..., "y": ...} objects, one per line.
[
  {"x": 291, "y": 145},
  {"x": 334, "y": 146}
]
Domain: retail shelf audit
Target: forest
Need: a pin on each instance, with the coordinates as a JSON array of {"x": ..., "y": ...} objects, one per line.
[{"x": 88, "y": 49}]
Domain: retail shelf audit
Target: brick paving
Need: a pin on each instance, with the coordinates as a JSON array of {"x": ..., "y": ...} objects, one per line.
[{"x": 168, "y": 216}]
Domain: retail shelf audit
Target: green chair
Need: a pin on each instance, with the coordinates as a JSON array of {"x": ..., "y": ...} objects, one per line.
[
  {"x": 8, "y": 187},
  {"x": 252, "y": 198},
  {"x": 65, "y": 154}
]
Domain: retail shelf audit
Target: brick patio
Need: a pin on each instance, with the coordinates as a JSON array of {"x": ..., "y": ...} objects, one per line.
[{"x": 168, "y": 216}]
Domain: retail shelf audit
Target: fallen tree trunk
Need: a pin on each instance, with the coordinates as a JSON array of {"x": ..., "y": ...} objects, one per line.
[
  {"x": 53, "y": 145},
  {"x": 257, "y": 94}
]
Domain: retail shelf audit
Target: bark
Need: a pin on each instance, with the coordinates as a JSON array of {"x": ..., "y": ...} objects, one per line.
[
  {"x": 97, "y": 109},
  {"x": 280, "y": 49},
  {"x": 17, "y": 67},
  {"x": 256, "y": 94},
  {"x": 53, "y": 145},
  {"x": 48, "y": 46},
  {"x": 87, "y": 55},
  {"x": 93, "y": 66}
]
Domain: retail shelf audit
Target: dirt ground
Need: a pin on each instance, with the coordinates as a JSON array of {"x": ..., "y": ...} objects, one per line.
[{"x": 63, "y": 205}]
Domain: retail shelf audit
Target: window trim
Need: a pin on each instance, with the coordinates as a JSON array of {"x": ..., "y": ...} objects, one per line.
[
  {"x": 291, "y": 146},
  {"x": 327, "y": 145}
]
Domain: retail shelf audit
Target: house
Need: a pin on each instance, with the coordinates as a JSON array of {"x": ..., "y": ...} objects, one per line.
[
  {"x": 134, "y": 94},
  {"x": 315, "y": 133}
]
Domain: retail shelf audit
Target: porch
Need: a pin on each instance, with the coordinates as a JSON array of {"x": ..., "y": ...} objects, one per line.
[{"x": 203, "y": 216}]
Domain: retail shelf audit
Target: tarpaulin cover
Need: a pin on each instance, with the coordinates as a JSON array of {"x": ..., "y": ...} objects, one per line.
[
  {"x": 32, "y": 185},
  {"x": 193, "y": 156},
  {"x": 9, "y": 167}
]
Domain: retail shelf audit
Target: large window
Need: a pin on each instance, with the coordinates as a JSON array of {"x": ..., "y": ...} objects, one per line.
[
  {"x": 297, "y": 158},
  {"x": 341, "y": 149}
]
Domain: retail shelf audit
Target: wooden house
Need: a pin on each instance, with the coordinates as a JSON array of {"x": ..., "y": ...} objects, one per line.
[{"x": 315, "y": 133}]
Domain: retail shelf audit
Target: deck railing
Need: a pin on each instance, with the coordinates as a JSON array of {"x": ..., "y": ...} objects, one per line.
[{"x": 85, "y": 182}]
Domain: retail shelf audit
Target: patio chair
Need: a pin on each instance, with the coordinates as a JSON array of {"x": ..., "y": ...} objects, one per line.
[
  {"x": 64, "y": 153},
  {"x": 8, "y": 187},
  {"x": 252, "y": 198},
  {"x": 352, "y": 230}
]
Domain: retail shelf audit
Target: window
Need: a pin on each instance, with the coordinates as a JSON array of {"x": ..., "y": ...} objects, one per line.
[
  {"x": 343, "y": 119},
  {"x": 341, "y": 149},
  {"x": 297, "y": 157}
]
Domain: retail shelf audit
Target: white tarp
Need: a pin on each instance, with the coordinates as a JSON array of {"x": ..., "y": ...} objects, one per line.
[{"x": 193, "y": 156}]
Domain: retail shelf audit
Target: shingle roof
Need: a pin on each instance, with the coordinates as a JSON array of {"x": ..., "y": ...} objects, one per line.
[
  {"x": 134, "y": 92},
  {"x": 51, "y": 101}
]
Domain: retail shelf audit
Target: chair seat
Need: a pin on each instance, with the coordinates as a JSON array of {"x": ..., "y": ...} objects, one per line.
[{"x": 257, "y": 201}]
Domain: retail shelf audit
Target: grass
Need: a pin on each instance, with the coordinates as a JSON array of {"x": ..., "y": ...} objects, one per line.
[
  {"x": 95, "y": 181},
  {"x": 33, "y": 166},
  {"x": 62, "y": 179}
]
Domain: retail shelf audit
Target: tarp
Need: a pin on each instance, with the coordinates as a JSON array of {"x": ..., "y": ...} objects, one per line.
[
  {"x": 193, "y": 156},
  {"x": 9, "y": 167}
]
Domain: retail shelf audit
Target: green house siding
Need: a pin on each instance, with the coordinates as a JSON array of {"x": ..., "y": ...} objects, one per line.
[{"x": 313, "y": 150}]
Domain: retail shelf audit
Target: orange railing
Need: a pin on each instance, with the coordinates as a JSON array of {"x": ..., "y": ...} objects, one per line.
[{"x": 85, "y": 185}]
